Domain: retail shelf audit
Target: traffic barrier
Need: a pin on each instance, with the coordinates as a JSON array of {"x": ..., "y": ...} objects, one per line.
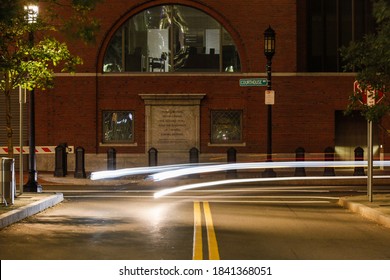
[{"x": 38, "y": 150}]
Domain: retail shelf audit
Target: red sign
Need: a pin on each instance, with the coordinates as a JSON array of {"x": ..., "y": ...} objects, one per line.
[{"x": 369, "y": 96}]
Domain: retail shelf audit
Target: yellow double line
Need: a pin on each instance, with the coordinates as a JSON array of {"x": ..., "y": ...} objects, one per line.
[{"x": 197, "y": 253}]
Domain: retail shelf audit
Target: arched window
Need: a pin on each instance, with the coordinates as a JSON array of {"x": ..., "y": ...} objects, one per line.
[{"x": 171, "y": 38}]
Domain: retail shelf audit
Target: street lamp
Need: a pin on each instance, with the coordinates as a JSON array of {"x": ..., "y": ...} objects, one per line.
[
  {"x": 269, "y": 51},
  {"x": 32, "y": 185}
]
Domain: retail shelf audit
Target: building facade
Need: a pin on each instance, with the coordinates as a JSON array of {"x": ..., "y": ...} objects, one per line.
[{"x": 173, "y": 75}]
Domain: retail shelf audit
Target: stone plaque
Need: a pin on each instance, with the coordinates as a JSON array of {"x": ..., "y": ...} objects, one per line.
[{"x": 172, "y": 121}]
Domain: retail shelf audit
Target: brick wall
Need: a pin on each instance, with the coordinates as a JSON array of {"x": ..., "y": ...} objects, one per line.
[{"x": 304, "y": 113}]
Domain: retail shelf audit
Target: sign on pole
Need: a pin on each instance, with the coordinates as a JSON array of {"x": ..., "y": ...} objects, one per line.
[
  {"x": 369, "y": 96},
  {"x": 269, "y": 97},
  {"x": 253, "y": 82}
]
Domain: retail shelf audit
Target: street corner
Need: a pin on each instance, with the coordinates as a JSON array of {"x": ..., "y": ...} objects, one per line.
[
  {"x": 26, "y": 205},
  {"x": 377, "y": 211}
]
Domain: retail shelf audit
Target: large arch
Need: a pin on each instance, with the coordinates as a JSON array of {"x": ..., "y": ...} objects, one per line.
[{"x": 207, "y": 9}]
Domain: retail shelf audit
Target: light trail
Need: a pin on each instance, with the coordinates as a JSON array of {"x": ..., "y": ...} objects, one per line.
[
  {"x": 164, "y": 172},
  {"x": 252, "y": 180},
  {"x": 110, "y": 174},
  {"x": 169, "y": 174}
]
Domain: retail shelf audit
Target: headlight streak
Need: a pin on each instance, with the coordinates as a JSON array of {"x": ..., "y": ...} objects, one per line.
[
  {"x": 110, "y": 174},
  {"x": 252, "y": 180},
  {"x": 259, "y": 165},
  {"x": 160, "y": 173}
]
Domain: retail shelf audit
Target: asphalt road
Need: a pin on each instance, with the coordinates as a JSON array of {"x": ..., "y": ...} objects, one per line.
[{"x": 244, "y": 223}]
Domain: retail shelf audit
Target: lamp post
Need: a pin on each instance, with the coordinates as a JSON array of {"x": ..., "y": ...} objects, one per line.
[
  {"x": 269, "y": 51},
  {"x": 32, "y": 184}
]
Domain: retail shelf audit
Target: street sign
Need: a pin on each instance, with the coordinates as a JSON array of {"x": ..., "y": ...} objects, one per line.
[
  {"x": 369, "y": 96},
  {"x": 269, "y": 97},
  {"x": 253, "y": 82}
]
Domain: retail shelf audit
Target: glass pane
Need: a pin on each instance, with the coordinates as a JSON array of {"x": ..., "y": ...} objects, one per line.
[
  {"x": 118, "y": 126},
  {"x": 113, "y": 58},
  {"x": 196, "y": 41},
  {"x": 316, "y": 34},
  {"x": 226, "y": 126},
  {"x": 230, "y": 57},
  {"x": 147, "y": 41},
  {"x": 171, "y": 38}
]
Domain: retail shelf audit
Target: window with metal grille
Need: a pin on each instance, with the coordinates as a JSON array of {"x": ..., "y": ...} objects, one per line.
[
  {"x": 226, "y": 126},
  {"x": 118, "y": 126}
]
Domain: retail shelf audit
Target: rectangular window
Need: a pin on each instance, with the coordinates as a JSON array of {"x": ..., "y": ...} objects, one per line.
[
  {"x": 118, "y": 126},
  {"x": 332, "y": 24},
  {"x": 226, "y": 127}
]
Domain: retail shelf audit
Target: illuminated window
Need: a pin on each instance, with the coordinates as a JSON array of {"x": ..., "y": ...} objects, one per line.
[
  {"x": 118, "y": 127},
  {"x": 171, "y": 38},
  {"x": 226, "y": 126}
]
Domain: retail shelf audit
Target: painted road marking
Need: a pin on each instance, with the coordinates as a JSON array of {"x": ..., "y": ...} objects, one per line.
[
  {"x": 211, "y": 237},
  {"x": 197, "y": 252}
]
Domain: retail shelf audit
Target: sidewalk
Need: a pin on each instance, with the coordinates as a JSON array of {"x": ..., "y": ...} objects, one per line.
[
  {"x": 26, "y": 205},
  {"x": 377, "y": 211},
  {"x": 29, "y": 204}
]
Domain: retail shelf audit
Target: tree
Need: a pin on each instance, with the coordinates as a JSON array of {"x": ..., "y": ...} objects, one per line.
[
  {"x": 370, "y": 58},
  {"x": 30, "y": 65}
]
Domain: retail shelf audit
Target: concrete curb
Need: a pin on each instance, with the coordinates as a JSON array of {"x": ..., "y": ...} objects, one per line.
[
  {"x": 366, "y": 212},
  {"x": 21, "y": 213}
]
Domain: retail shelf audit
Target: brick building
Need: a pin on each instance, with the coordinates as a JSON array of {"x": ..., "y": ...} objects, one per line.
[{"x": 166, "y": 74}]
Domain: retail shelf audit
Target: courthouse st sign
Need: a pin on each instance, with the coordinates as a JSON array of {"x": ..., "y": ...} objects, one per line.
[{"x": 253, "y": 82}]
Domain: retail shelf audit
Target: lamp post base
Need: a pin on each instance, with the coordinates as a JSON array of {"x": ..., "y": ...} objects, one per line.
[{"x": 32, "y": 185}]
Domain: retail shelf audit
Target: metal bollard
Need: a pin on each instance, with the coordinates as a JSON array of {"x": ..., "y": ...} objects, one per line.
[
  {"x": 80, "y": 163},
  {"x": 329, "y": 156},
  {"x": 194, "y": 158},
  {"x": 359, "y": 156},
  {"x": 152, "y": 156},
  {"x": 60, "y": 161},
  {"x": 111, "y": 159},
  {"x": 231, "y": 158},
  {"x": 300, "y": 156},
  {"x": 194, "y": 155}
]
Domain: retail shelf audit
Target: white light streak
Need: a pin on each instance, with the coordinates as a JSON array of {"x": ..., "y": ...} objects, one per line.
[
  {"x": 109, "y": 174},
  {"x": 169, "y": 174},
  {"x": 252, "y": 180}
]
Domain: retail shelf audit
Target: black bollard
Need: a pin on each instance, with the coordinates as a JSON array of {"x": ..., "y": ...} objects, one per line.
[
  {"x": 300, "y": 156},
  {"x": 152, "y": 156},
  {"x": 231, "y": 158},
  {"x": 194, "y": 158},
  {"x": 111, "y": 159},
  {"x": 359, "y": 156},
  {"x": 194, "y": 155},
  {"x": 65, "y": 145},
  {"x": 329, "y": 156},
  {"x": 60, "y": 161},
  {"x": 80, "y": 163}
]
